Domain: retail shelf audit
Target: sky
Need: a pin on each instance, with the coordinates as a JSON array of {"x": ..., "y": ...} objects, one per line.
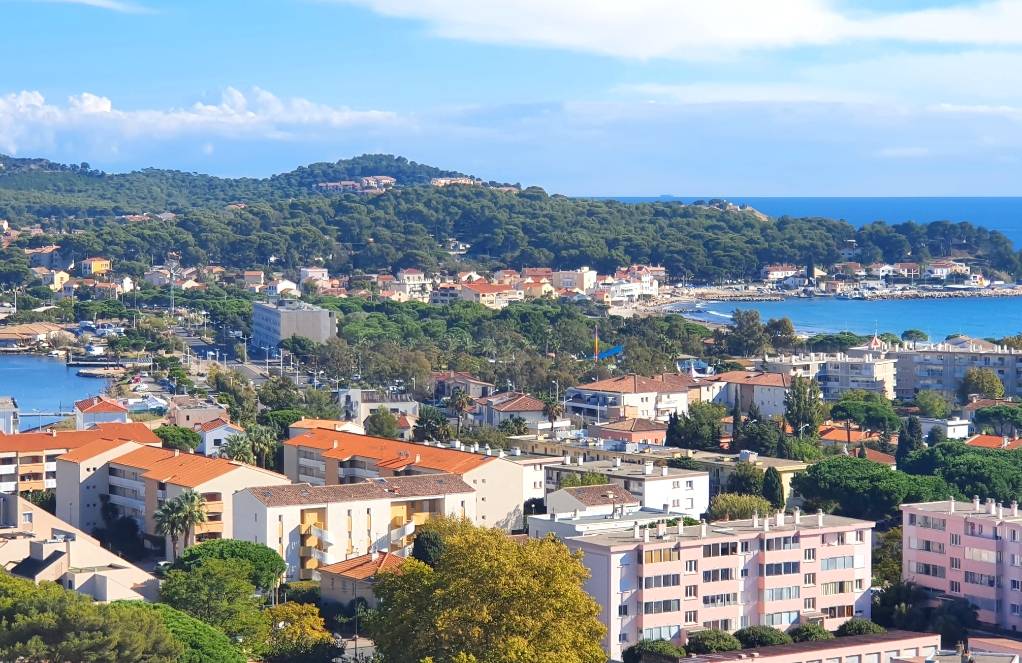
[{"x": 582, "y": 97}]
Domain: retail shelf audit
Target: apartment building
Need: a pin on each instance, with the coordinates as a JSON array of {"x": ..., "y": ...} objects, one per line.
[
  {"x": 28, "y": 461},
  {"x": 970, "y": 550},
  {"x": 189, "y": 412},
  {"x": 315, "y": 526},
  {"x": 357, "y": 404},
  {"x": 490, "y": 295},
  {"x": 942, "y": 366},
  {"x": 893, "y": 646},
  {"x": 413, "y": 283},
  {"x": 838, "y": 373},
  {"x": 137, "y": 480},
  {"x": 496, "y": 409},
  {"x": 275, "y": 321},
  {"x": 38, "y": 546},
  {"x": 99, "y": 410},
  {"x": 8, "y": 415},
  {"x": 305, "y": 425},
  {"x": 94, "y": 266},
  {"x": 672, "y": 490},
  {"x": 779, "y": 570},
  {"x": 767, "y": 390},
  {"x": 631, "y": 397},
  {"x": 503, "y": 483}
]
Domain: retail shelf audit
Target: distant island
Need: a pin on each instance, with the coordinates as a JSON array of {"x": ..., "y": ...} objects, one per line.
[{"x": 381, "y": 212}]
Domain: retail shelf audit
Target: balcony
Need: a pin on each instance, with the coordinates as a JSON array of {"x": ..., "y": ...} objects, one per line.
[
  {"x": 321, "y": 556},
  {"x": 322, "y": 534},
  {"x": 399, "y": 533}
]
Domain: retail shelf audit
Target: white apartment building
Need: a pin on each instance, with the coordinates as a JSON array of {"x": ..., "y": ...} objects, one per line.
[
  {"x": 665, "y": 488},
  {"x": 582, "y": 279},
  {"x": 766, "y": 390},
  {"x": 838, "y": 373},
  {"x": 313, "y": 526},
  {"x": 8, "y": 415},
  {"x": 779, "y": 570},
  {"x": 274, "y": 322},
  {"x": 357, "y": 404},
  {"x": 631, "y": 397},
  {"x": 414, "y": 283}
]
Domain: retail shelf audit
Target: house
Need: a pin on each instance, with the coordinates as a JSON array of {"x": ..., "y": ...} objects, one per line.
[
  {"x": 357, "y": 404},
  {"x": 907, "y": 269},
  {"x": 445, "y": 293},
  {"x": 188, "y": 411},
  {"x": 306, "y": 274},
  {"x": 413, "y": 283},
  {"x": 669, "y": 489},
  {"x": 99, "y": 410},
  {"x": 881, "y": 269},
  {"x": 47, "y": 256},
  {"x": 598, "y": 500},
  {"x": 766, "y": 390},
  {"x": 28, "y": 460},
  {"x": 315, "y": 526},
  {"x": 582, "y": 279},
  {"x": 353, "y": 579},
  {"x": 214, "y": 434},
  {"x": 631, "y": 397},
  {"x": 496, "y": 409},
  {"x": 40, "y": 547},
  {"x": 138, "y": 479},
  {"x": 281, "y": 287},
  {"x": 8, "y": 415},
  {"x": 942, "y": 269},
  {"x": 94, "y": 266},
  {"x": 502, "y": 485},
  {"x": 636, "y": 431},
  {"x": 305, "y": 425},
  {"x": 778, "y": 272},
  {"x": 490, "y": 295},
  {"x": 535, "y": 289},
  {"x": 444, "y": 384},
  {"x": 801, "y": 569}
]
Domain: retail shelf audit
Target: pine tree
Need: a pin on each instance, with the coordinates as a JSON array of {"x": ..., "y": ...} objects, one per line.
[{"x": 773, "y": 488}]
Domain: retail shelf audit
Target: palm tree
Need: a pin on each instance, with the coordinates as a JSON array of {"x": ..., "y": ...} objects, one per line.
[
  {"x": 239, "y": 448},
  {"x": 169, "y": 523},
  {"x": 552, "y": 410},
  {"x": 191, "y": 507},
  {"x": 459, "y": 402},
  {"x": 262, "y": 442}
]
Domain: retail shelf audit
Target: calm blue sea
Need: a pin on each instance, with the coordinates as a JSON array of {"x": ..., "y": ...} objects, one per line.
[
  {"x": 981, "y": 317},
  {"x": 1004, "y": 214},
  {"x": 44, "y": 385}
]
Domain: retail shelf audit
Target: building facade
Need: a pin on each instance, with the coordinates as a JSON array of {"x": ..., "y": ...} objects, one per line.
[
  {"x": 838, "y": 373},
  {"x": 280, "y": 320}
]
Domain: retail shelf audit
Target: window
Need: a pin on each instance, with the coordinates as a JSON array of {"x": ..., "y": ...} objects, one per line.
[
  {"x": 1016, "y": 609},
  {"x": 980, "y": 555},
  {"x": 622, "y": 610},
  {"x": 860, "y": 584},
  {"x": 780, "y": 618},
  {"x": 927, "y": 546},
  {"x": 717, "y": 575},
  {"x": 720, "y": 624},
  {"x": 934, "y": 571},
  {"x": 1016, "y": 585},
  {"x": 666, "y": 580},
  {"x": 809, "y": 579},
  {"x": 809, "y": 554},
  {"x": 929, "y": 522},
  {"x": 675, "y": 484},
  {"x": 26, "y": 518},
  {"x": 834, "y": 563},
  {"x": 781, "y": 593},
  {"x": 691, "y": 617},
  {"x": 720, "y": 600},
  {"x": 809, "y": 604},
  {"x": 840, "y": 587},
  {"x": 657, "y": 607},
  {"x": 974, "y": 578},
  {"x": 780, "y": 543},
  {"x": 840, "y": 611},
  {"x": 956, "y": 562},
  {"x": 778, "y": 568},
  {"x": 860, "y": 536},
  {"x": 956, "y": 587},
  {"x": 661, "y": 632},
  {"x": 691, "y": 591},
  {"x": 688, "y": 485},
  {"x": 691, "y": 566},
  {"x": 661, "y": 555},
  {"x": 720, "y": 549},
  {"x": 956, "y": 539}
]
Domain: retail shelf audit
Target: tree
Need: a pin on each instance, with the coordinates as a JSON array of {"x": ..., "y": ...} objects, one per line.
[
  {"x": 746, "y": 336},
  {"x": 239, "y": 448},
  {"x": 731, "y": 506},
  {"x": 320, "y": 404},
  {"x": 515, "y": 425},
  {"x": 280, "y": 393},
  {"x": 982, "y": 381},
  {"x": 746, "y": 479},
  {"x": 44, "y": 499},
  {"x": 932, "y": 404},
  {"x": 552, "y": 410},
  {"x": 169, "y": 522},
  {"x": 859, "y": 626},
  {"x": 573, "y": 480},
  {"x": 699, "y": 428},
  {"x": 887, "y": 558},
  {"x": 884, "y": 443},
  {"x": 201, "y": 642},
  {"x": 781, "y": 333},
  {"x": 191, "y": 507},
  {"x": 297, "y": 633},
  {"x": 773, "y": 488},
  {"x": 428, "y": 546},
  {"x": 1002, "y": 419},
  {"x": 459, "y": 403},
  {"x": 763, "y": 437},
  {"x": 381, "y": 423},
  {"x": 431, "y": 425},
  {"x": 279, "y": 421},
  {"x": 488, "y": 596},
  {"x": 911, "y": 439},
  {"x": 219, "y": 593},
  {"x": 711, "y": 641},
  {"x": 866, "y": 408},
  {"x": 178, "y": 437},
  {"x": 810, "y": 633},
  {"x": 49, "y": 623},
  {"x": 761, "y": 636},
  {"x": 266, "y": 565},
  {"x": 803, "y": 407},
  {"x": 635, "y": 653},
  {"x": 936, "y": 436},
  {"x": 803, "y": 449},
  {"x": 914, "y": 335}
]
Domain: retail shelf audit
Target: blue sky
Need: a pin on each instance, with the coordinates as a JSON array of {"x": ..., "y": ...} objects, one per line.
[{"x": 594, "y": 97}]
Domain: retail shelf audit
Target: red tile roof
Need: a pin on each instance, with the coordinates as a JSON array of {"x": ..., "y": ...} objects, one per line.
[
  {"x": 512, "y": 401},
  {"x": 217, "y": 423},
  {"x": 181, "y": 469},
  {"x": 993, "y": 442},
  {"x": 757, "y": 378},
  {"x": 631, "y": 384},
  {"x": 602, "y": 495},
  {"x": 98, "y": 405},
  {"x": 487, "y": 288},
  {"x": 365, "y": 566},
  {"x": 634, "y": 425},
  {"x": 25, "y": 442},
  {"x": 388, "y": 453}
]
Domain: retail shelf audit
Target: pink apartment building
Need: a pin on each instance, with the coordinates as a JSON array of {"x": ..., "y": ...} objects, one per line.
[
  {"x": 782, "y": 570},
  {"x": 970, "y": 550}
]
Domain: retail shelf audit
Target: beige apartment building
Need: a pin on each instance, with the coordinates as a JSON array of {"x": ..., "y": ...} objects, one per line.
[
  {"x": 137, "y": 480},
  {"x": 276, "y": 321},
  {"x": 314, "y": 526},
  {"x": 503, "y": 482},
  {"x": 838, "y": 373}
]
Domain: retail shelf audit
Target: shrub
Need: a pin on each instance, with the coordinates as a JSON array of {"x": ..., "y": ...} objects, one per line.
[
  {"x": 711, "y": 641},
  {"x": 761, "y": 636}
]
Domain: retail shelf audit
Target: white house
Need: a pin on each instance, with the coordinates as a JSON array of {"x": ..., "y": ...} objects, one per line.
[
  {"x": 214, "y": 434},
  {"x": 99, "y": 410},
  {"x": 630, "y": 397},
  {"x": 279, "y": 287}
]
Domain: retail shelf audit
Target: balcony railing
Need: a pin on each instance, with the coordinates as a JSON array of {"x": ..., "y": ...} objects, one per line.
[
  {"x": 321, "y": 556},
  {"x": 399, "y": 533},
  {"x": 322, "y": 535}
]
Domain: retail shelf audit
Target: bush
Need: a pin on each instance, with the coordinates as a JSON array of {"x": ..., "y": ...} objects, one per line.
[
  {"x": 711, "y": 641},
  {"x": 202, "y": 643},
  {"x": 859, "y": 626},
  {"x": 810, "y": 633},
  {"x": 634, "y": 654},
  {"x": 761, "y": 636},
  {"x": 302, "y": 591},
  {"x": 732, "y": 506},
  {"x": 267, "y": 565}
]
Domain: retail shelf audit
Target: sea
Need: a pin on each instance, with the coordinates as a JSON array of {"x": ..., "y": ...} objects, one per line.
[{"x": 43, "y": 384}]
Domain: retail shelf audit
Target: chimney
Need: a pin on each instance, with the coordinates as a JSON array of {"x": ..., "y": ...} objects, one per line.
[
  {"x": 766, "y": 523},
  {"x": 645, "y": 535},
  {"x": 516, "y": 451},
  {"x": 581, "y": 460},
  {"x": 681, "y": 526},
  {"x": 567, "y": 459},
  {"x": 796, "y": 516},
  {"x": 991, "y": 506},
  {"x": 635, "y": 531},
  {"x": 648, "y": 467},
  {"x": 780, "y": 518},
  {"x": 1014, "y": 508},
  {"x": 335, "y": 444},
  {"x": 577, "y": 513},
  {"x": 755, "y": 518},
  {"x": 702, "y": 528},
  {"x": 661, "y": 530},
  {"x": 374, "y": 555},
  {"x": 177, "y": 452},
  {"x": 975, "y": 502},
  {"x": 418, "y": 459},
  {"x": 1000, "y": 511},
  {"x": 617, "y": 461},
  {"x": 819, "y": 517},
  {"x": 53, "y": 433},
  {"x": 1004, "y": 441},
  {"x": 663, "y": 471},
  {"x": 952, "y": 502},
  {"x": 501, "y": 453}
]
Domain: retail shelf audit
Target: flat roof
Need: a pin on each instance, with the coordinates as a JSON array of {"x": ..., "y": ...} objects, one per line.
[
  {"x": 850, "y": 641},
  {"x": 1002, "y": 513},
  {"x": 628, "y": 470}
]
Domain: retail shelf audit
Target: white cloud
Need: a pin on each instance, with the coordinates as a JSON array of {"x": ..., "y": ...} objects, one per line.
[
  {"x": 699, "y": 28},
  {"x": 28, "y": 121}
]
